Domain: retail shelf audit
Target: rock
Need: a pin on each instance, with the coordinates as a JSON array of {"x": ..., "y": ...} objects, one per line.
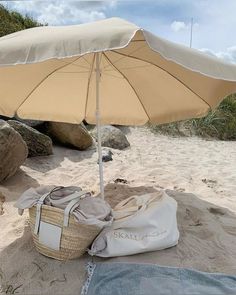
[
  {"x": 121, "y": 180},
  {"x": 112, "y": 137},
  {"x": 38, "y": 143},
  {"x": 13, "y": 151},
  {"x": 106, "y": 156},
  {"x": 31, "y": 123},
  {"x": 75, "y": 135},
  {"x": 125, "y": 129},
  {"x": 90, "y": 127},
  {"x": 4, "y": 118}
]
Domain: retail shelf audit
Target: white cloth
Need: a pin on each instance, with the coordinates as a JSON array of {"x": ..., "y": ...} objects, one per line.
[
  {"x": 141, "y": 224},
  {"x": 26, "y": 46},
  {"x": 90, "y": 210}
]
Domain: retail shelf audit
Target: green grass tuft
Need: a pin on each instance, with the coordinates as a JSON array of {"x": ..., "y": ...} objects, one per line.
[{"x": 218, "y": 124}]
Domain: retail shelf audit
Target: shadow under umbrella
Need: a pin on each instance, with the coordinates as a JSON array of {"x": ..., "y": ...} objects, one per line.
[
  {"x": 47, "y": 163},
  {"x": 207, "y": 233},
  {"x": 13, "y": 187}
]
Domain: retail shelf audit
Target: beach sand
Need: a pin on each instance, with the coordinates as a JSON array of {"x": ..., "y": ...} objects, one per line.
[{"x": 199, "y": 174}]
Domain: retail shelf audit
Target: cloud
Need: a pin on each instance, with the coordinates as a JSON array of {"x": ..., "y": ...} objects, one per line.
[
  {"x": 208, "y": 51},
  {"x": 63, "y": 12},
  {"x": 177, "y": 26},
  {"x": 169, "y": 19},
  {"x": 229, "y": 55}
]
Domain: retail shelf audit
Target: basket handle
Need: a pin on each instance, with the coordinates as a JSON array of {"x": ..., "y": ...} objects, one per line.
[
  {"x": 38, "y": 212},
  {"x": 74, "y": 199},
  {"x": 71, "y": 206},
  {"x": 68, "y": 198}
]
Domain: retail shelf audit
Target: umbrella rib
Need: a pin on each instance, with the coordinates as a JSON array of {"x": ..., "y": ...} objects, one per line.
[
  {"x": 128, "y": 83},
  {"x": 45, "y": 78},
  {"x": 89, "y": 80},
  {"x": 74, "y": 65},
  {"x": 125, "y": 55},
  {"x": 133, "y": 51}
]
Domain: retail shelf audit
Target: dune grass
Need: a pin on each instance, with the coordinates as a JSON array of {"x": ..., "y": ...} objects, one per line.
[
  {"x": 219, "y": 123},
  {"x": 12, "y": 21}
]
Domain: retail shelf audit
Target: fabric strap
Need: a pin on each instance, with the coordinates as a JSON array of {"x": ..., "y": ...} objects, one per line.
[
  {"x": 38, "y": 212},
  {"x": 131, "y": 207},
  {"x": 66, "y": 199},
  {"x": 73, "y": 198},
  {"x": 71, "y": 206}
]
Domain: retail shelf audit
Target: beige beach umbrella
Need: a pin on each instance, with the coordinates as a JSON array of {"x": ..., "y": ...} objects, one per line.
[{"x": 107, "y": 72}]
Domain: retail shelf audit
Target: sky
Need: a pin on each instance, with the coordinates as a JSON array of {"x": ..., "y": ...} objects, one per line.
[{"x": 214, "y": 21}]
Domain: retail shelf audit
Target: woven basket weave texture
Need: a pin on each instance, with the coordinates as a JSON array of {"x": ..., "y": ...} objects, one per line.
[{"x": 75, "y": 239}]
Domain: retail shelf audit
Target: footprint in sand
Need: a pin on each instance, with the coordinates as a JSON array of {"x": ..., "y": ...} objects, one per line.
[
  {"x": 178, "y": 189},
  {"x": 193, "y": 218},
  {"x": 216, "y": 211},
  {"x": 209, "y": 182}
]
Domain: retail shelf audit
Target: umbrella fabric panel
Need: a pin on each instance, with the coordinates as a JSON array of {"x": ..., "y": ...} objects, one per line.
[
  {"x": 61, "y": 96},
  {"x": 191, "y": 58},
  {"x": 133, "y": 91},
  {"x": 163, "y": 97},
  {"x": 119, "y": 103},
  {"x": 68, "y": 95},
  {"x": 208, "y": 88},
  {"x": 57, "y": 99},
  {"x": 141, "y": 80},
  {"x": 17, "y": 82},
  {"x": 43, "y": 43}
]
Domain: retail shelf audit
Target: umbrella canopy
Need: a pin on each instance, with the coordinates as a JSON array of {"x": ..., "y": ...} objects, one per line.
[
  {"x": 48, "y": 73},
  {"x": 109, "y": 72}
]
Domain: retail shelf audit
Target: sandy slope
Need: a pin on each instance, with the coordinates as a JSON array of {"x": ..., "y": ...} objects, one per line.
[{"x": 199, "y": 174}]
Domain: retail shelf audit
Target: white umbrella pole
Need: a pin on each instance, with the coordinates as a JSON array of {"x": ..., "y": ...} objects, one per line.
[{"x": 98, "y": 123}]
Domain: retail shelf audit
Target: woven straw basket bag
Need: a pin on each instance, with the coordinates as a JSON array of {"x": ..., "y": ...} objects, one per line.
[{"x": 73, "y": 238}]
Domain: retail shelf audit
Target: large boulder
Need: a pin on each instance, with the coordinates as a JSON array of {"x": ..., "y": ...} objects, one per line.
[
  {"x": 38, "y": 143},
  {"x": 31, "y": 123},
  {"x": 4, "y": 118},
  {"x": 74, "y": 135},
  {"x": 13, "y": 151},
  {"x": 112, "y": 137}
]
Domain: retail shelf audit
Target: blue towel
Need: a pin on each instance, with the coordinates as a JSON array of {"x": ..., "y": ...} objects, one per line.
[{"x": 149, "y": 279}]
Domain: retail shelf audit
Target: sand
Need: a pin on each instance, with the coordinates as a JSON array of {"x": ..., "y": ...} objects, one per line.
[{"x": 199, "y": 174}]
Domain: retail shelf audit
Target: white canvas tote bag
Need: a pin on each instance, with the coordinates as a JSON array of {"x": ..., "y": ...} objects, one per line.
[{"x": 141, "y": 224}]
